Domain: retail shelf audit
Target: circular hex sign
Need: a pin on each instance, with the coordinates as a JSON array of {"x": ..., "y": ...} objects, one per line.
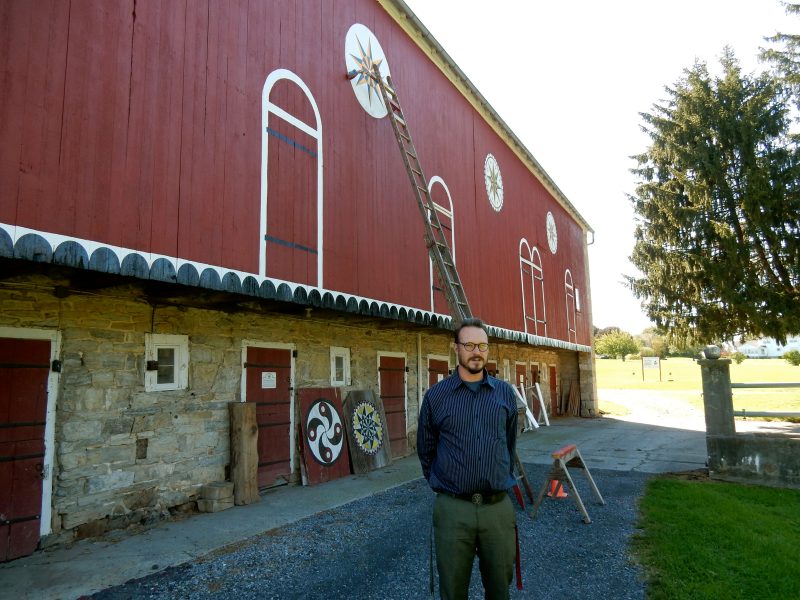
[
  {"x": 362, "y": 53},
  {"x": 324, "y": 432},
  {"x": 367, "y": 428}
]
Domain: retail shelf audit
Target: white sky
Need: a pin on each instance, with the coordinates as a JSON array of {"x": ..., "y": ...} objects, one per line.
[{"x": 570, "y": 79}]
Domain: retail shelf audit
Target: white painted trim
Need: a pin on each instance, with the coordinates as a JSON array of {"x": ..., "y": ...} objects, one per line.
[
  {"x": 569, "y": 302},
  {"x": 448, "y": 212},
  {"x": 154, "y": 341},
  {"x": 268, "y": 107},
  {"x": 243, "y": 388},
  {"x": 54, "y": 337},
  {"x": 335, "y": 352}
]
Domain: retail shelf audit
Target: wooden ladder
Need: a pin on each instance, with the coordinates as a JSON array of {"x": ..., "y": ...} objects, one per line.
[{"x": 435, "y": 240}]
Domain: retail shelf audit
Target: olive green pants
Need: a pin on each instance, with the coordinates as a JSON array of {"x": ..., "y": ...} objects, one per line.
[{"x": 461, "y": 530}]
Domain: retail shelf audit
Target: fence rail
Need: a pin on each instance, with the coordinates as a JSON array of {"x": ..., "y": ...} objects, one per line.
[{"x": 764, "y": 413}]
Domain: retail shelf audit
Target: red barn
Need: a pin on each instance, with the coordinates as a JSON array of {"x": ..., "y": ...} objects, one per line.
[{"x": 199, "y": 207}]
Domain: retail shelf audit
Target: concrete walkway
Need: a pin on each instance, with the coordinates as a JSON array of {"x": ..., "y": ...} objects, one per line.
[{"x": 93, "y": 565}]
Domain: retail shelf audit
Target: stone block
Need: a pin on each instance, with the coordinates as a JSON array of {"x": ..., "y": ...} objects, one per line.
[
  {"x": 217, "y": 490},
  {"x": 117, "y": 425},
  {"x": 210, "y": 506},
  {"x": 154, "y": 422},
  {"x": 75, "y": 430},
  {"x": 111, "y": 481}
]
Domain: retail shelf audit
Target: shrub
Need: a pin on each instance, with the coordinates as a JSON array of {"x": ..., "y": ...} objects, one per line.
[
  {"x": 738, "y": 357},
  {"x": 792, "y": 357}
]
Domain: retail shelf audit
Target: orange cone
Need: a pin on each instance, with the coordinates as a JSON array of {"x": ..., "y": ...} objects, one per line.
[{"x": 557, "y": 489}]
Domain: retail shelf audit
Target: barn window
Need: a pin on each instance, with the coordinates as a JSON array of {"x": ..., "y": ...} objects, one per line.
[
  {"x": 167, "y": 362},
  {"x": 291, "y": 181},
  {"x": 532, "y": 287},
  {"x": 340, "y": 366},
  {"x": 444, "y": 210},
  {"x": 569, "y": 293}
]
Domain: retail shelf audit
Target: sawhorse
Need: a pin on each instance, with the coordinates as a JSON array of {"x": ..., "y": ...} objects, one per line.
[{"x": 568, "y": 456}]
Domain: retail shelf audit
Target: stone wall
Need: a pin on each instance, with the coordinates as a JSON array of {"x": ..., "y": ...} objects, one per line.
[{"x": 124, "y": 455}]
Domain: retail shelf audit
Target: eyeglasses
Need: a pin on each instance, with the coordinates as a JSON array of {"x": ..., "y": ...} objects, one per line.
[{"x": 470, "y": 346}]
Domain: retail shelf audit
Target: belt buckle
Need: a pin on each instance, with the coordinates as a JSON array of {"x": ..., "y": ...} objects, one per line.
[{"x": 477, "y": 499}]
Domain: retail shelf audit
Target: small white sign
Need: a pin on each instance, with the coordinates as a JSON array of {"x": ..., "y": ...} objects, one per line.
[
  {"x": 650, "y": 362},
  {"x": 269, "y": 380},
  {"x": 439, "y": 377}
]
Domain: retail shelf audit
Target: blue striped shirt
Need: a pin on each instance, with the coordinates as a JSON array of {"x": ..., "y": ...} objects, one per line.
[{"x": 466, "y": 439}]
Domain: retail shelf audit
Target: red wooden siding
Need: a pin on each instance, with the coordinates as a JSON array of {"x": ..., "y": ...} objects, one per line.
[
  {"x": 24, "y": 368},
  {"x": 144, "y": 131},
  {"x": 273, "y": 411}
]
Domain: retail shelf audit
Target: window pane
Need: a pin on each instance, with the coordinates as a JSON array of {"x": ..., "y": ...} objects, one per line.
[
  {"x": 339, "y": 362},
  {"x": 166, "y": 365}
]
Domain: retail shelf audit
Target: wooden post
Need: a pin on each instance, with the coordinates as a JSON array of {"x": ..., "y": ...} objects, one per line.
[{"x": 244, "y": 453}]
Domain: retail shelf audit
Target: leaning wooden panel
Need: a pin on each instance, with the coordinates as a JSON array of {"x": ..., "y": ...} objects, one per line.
[
  {"x": 244, "y": 453},
  {"x": 367, "y": 433},
  {"x": 324, "y": 441}
]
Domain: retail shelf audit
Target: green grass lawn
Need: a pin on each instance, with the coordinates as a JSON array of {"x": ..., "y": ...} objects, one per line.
[
  {"x": 683, "y": 375},
  {"x": 711, "y": 540}
]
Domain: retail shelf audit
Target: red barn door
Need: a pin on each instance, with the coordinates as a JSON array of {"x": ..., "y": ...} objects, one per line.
[
  {"x": 553, "y": 388},
  {"x": 269, "y": 386},
  {"x": 392, "y": 383},
  {"x": 24, "y": 369},
  {"x": 437, "y": 370}
]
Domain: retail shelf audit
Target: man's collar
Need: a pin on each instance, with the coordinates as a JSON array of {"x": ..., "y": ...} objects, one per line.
[{"x": 487, "y": 379}]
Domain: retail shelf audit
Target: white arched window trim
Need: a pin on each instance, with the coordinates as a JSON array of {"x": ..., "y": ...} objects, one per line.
[
  {"x": 569, "y": 299},
  {"x": 529, "y": 255},
  {"x": 447, "y": 211},
  {"x": 315, "y": 132}
]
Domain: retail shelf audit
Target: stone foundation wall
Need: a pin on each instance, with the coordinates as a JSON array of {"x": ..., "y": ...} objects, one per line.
[{"x": 125, "y": 455}]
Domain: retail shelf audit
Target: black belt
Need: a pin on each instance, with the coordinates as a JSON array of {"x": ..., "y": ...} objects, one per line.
[{"x": 477, "y": 498}]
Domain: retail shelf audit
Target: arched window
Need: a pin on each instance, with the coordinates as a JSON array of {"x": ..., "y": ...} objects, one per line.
[
  {"x": 569, "y": 294},
  {"x": 532, "y": 286},
  {"x": 291, "y": 181},
  {"x": 445, "y": 214}
]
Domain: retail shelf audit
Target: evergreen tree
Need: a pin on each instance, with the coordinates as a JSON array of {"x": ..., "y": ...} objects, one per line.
[{"x": 718, "y": 209}]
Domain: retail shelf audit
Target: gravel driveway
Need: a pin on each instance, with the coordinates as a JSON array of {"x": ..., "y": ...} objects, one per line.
[{"x": 377, "y": 548}]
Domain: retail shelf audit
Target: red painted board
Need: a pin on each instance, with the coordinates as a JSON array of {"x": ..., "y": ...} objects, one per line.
[{"x": 325, "y": 455}]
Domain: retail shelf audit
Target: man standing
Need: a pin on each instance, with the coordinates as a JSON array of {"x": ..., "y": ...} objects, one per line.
[{"x": 465, "y": 442}]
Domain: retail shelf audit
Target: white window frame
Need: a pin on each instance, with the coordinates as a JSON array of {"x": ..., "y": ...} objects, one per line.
[
  {"x": 344, "y": 353},
  {"x": 180, "y": 343}
]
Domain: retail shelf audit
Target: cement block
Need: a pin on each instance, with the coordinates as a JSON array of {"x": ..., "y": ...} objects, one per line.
[
  {"x": 217, "y": 490},
  {"x": 214, "y": 505}
]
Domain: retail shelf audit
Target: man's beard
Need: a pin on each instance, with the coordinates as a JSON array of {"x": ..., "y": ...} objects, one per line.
[{"x": 470, "y": 368}]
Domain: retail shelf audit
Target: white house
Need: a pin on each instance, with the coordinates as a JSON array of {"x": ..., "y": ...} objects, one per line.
[{"x": 768, "y": 347}]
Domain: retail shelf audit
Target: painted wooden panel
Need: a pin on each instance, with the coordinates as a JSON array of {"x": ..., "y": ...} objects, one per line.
[
  {"x": 144, "y": 131},
  {"x": 269, "y": 377},
  {"x": 325, "y": 454},
  {"x": 367, "y": 435}
]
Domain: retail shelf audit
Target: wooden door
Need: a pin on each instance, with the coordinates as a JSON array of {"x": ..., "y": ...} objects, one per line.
[
  {"x": 491, "y": 368},
  {"x": 534, "y": 378},
  {"x": 553, "y": 388},
  {"x": 269, "y": 387},
  {"x": 392, "y": 385},
  {"x": 24, "y": 369},
  {"x": 437, "y": 370},
  {"x": 522, "y": 378}
]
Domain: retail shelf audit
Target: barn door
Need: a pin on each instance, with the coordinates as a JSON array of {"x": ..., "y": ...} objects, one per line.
[
  {"x": 438, "y": 369},
  {"x": 522, "y": 378},
  {"x": 553, "y": 387},
  {"x": 269, "y": 385},
  {"x": 24, "y": 370},
  {"x": 392, "y": 385}
]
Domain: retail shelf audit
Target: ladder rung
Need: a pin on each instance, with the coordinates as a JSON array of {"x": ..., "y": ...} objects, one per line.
[{"x": 400, "y": 120}]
